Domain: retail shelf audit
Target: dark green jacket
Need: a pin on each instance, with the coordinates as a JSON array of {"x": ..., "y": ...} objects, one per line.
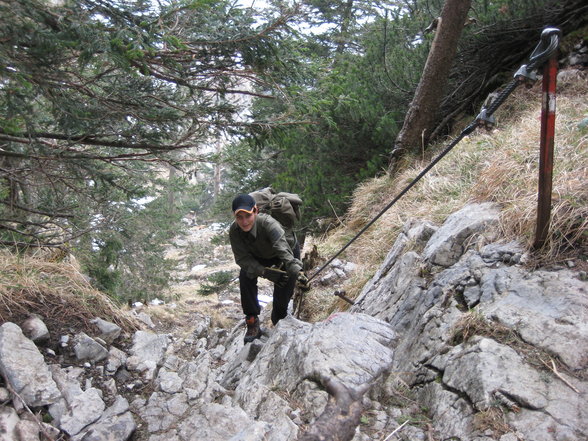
[{"x": 266, "y": 240}]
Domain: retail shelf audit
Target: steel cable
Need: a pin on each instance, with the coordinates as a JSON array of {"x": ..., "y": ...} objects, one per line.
[{"x": 548, "y": 43}]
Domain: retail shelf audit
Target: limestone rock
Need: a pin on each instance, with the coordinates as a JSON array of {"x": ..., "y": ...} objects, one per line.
[
  {"x": 425, "y": 295},
  {"x": 162, "y": 411},
  {"x": 145, "y": 318},
  {"x": 108, "y": 331},
  {"x": 24, "y": 368},
  {"x": 446, "y": 245},
  {"x": 147, "y": 352},
  {"x": 86, "y": 348},
  {"x": 353, "y": 348},
  {"x": 116, "y": 359},
  {"x": 169, "y": 382},
  {"x": 35, "y": 329},
  {"x": 484, "y": 370},
  {"x": 115, "y": 424},
  {"x": 78, "y": 408},
  {"x": 445, "y": 333},
  {"x": 216, "y": 422},
  {"x": 8, "y": 422},
  {"x": 27, "y": 430},
  {"x": 550, "y": 311}
]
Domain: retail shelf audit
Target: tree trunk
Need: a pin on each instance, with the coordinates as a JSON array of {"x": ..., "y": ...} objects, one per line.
[
  {"x": 341, "y": 415},
  {"x": 217, "y": 171},
  {"x": 422, "y": 112},
  {"x": 345, "y": 25},
  {"x": 171, "y": 194}
]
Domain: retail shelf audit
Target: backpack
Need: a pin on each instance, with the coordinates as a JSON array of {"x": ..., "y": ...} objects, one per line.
[{"x": 283, "y": 206}]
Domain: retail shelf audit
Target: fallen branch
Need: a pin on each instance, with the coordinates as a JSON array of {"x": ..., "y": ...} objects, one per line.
[
  {"x": 555, "y": 371},
  {"x": 398, "y": 429},
  {"x": 335, "y": 213},
  {"x": 341, "y": 415},
  {"x": 35, "y": 418}
]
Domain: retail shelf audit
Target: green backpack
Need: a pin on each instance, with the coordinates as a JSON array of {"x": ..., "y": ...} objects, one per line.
[{"x": 283, "y": 206}]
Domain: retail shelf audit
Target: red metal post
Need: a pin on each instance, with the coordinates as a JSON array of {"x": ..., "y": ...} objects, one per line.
[{"x": 546, "y": 151}]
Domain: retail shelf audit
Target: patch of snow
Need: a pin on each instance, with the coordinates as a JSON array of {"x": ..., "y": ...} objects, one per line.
[
  {"x": 216, "y": 227},
  {"x": 141, "y": 202},
  {"x": 264, "y": 300}
]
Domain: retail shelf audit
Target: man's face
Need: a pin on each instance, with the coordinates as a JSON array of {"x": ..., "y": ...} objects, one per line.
[{"x": 246, "y": 220}]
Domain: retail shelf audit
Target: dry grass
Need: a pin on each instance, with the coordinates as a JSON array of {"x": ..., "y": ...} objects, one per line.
[
  {"x": 473, "y": 323},
  {"x": 57, "y": 292},
  {"x": 510, "y": 177},
  {"x": 181, "y": 314},
  {"x": 494, "y": 420},
  {"x": 319, "y": 303},
  {"x": 500, "y": 166}
]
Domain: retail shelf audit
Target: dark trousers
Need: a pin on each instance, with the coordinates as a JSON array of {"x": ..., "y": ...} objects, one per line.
[{"x": 282, "y": 296}]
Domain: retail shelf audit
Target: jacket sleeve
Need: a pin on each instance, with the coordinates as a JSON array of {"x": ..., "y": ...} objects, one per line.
[{"x": 283, "y": 250}]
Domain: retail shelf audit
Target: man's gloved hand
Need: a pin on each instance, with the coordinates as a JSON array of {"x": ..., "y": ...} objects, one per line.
[
  {"x": 276, "y": 275},
  {"x": 302, "y": 282}
]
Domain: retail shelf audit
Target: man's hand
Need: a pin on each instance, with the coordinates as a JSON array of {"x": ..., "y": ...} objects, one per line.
[
  {"x": 278, "y": 276},
  {"x": 302, "y": 282}
]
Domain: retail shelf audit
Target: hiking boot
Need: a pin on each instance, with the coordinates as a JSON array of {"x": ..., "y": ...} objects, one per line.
[{"x": 253, "y": 329}]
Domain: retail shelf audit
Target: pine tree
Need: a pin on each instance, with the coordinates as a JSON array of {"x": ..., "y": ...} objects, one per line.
[
  {"x": 97, "y": 98},
  {"x": 94, "y": 93}
]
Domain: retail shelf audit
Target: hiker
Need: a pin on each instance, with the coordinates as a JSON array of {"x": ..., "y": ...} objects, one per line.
[{"x": 261, "y": 249}]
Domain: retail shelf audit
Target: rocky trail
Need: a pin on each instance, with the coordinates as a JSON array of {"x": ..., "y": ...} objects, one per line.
[{"x": 452, "y": 338}]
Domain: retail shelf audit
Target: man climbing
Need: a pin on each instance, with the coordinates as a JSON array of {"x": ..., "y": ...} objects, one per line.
[{"x": 261, "y": 249}]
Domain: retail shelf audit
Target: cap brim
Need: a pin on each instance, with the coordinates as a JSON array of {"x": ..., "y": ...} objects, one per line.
[{"x": 245, "y": 209}]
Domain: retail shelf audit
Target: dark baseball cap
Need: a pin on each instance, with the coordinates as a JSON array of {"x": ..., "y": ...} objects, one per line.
[{"x": 243, "y": 202}]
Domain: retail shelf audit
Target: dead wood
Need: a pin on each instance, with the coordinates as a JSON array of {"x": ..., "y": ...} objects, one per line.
[{"x": 341, "y": 415}]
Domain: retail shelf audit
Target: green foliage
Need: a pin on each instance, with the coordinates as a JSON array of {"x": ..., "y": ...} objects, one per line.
[
  {"x": 128, "y": 260},
  {"x": 103, "y": 269},
  {"x": 97, "y": 100},
  {"x": 218, "y": 281},
  {"x": 90, "y": 89},
  {"x": 342, "y": 112},
  {"x": 339, "y": 125}
]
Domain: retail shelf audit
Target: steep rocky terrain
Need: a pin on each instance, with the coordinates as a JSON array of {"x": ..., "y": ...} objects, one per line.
[{"x": 452, "y": 339}]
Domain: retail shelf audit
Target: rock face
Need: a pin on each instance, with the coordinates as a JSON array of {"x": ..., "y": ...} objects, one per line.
[
  {"x": 480, "y": 335},
  {"x": 268, "y": 390},
  {"x": 451, "y": 339},
  {"x": 24, "y": 368},
  {"x": 447, "y": 244}
]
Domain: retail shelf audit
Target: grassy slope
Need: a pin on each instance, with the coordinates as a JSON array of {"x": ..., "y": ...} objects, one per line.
[
  {"x": 57, "y": 292},
  {"x": 499, "y": 166}
]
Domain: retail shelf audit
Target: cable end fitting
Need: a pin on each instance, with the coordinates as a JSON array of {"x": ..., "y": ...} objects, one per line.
[
  {"x": 484, "y": 120},
  {"x": 526, "y": 76}
]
